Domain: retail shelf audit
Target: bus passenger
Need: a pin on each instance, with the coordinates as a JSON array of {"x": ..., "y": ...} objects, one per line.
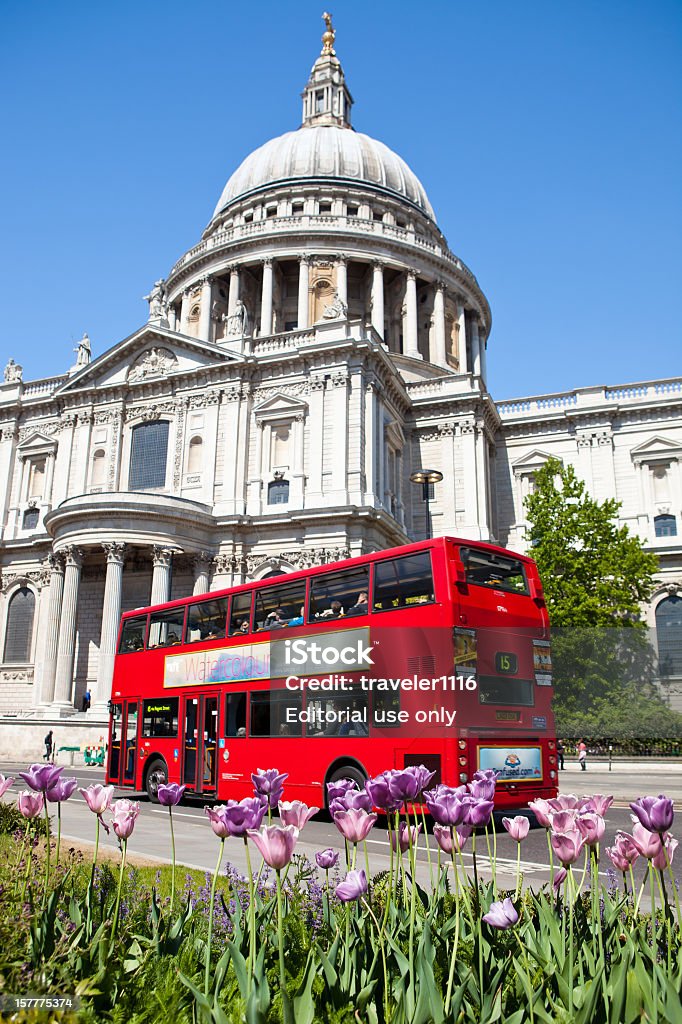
[
  {"x": 360, "y": 606},
  {"x": 335, "y": 611},
  {"x": 276, "y": 619},
  {"x": 299, "y": 619}
]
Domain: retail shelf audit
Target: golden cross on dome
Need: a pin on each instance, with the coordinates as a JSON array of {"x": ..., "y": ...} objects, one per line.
[{"x": 328, "y": 37}]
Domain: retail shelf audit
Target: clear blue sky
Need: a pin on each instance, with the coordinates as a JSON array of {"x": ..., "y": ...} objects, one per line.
[{"x": 547, "y": 136}]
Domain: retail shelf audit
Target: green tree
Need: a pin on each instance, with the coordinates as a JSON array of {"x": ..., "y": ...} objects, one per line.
[
  {"x": 593, "y": 571},
  {"x": 596, "y": 577}
]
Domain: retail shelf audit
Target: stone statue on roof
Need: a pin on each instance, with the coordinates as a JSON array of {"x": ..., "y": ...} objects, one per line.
[
  {"x": 83, "y": 351},
  {"x": 13, "y": 372}
]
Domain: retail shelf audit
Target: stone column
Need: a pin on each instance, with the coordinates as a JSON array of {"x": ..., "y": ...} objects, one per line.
[
  {"x": 233, "y": 293},
  {"x": 481, "y": 346},
  {"x": 54, "y": 606},
  {"x": 266, "y": 299},
  {"x": 111, "y": 614},
  {"x": 162, "y": 560},
  {"x": 411, "y": 333},
  {"x": 66, "y": 644},
  {"x": 342, "y": 278},
  {"x": 303, "y": 288},
  {"x": 205, "y": 311},
  {"x": 475, "y": 348},
  {"x": 439, "y": 354},
  {"x": 184, "y": 312},
  {"x": 378, "y": 298},
  {"x": 462, "y": 339},
  {"x": 201, "y": 564}
]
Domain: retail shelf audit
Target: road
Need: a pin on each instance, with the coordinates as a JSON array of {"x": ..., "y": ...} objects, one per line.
[{"x": 196, "y": 845}]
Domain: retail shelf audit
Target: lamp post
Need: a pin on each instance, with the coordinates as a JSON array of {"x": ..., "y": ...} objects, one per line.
[{"x": 426, "y": 477}]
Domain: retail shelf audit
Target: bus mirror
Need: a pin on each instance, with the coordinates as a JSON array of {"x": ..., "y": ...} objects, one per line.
[
  {"x": 536, "y": 591},
  {"x": 460, "y": 571}
]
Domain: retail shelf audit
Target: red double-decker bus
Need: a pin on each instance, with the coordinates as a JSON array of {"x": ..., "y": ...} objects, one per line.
[{"x": 434, "y": 653}]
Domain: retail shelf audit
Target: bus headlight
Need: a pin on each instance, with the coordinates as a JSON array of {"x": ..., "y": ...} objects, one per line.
[
  {"x": 552, "y": 775},
  {"x": 463, "y": 777}
]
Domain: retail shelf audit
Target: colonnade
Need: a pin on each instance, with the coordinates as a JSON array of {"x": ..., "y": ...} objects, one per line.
[
  {"x": 471, "y": 352},
  {"x": 57, "y": 678}
]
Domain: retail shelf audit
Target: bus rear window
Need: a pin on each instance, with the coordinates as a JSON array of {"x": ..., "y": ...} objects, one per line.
[
  {"x": 132, "y": 635},
  {"x": 488, "y": 569},
  {"x": 505, "y": 691}
]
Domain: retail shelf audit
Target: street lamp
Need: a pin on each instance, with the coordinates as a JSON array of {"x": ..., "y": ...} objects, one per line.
[{"x": 426, "y": 477}]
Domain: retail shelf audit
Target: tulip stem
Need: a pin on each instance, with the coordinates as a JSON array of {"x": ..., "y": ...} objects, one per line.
[
  {"x": 453, "y": 957},
  {"x": 364, "y": 843},
  {"x": 526, "y": 964},
  {"x": 59, "y": 830},
  {"x": 47, "y": 862},
  {"x": 380, "y": 932},
  {"x": 172, "y": 901},
  {"x": 518, "y": 873},
  {"x": 571, "y": 889},
  {"x": 551, "y": 860},
  {"x": 280, "y": 938},
  {"x": 92, "y": 880},
  {"x": 207, "y": 971},
  {"x": 428, "y": 845},
  {"x": 124, "y": 848},
  {"x": 654, "y": 943},
  {"x": 674, "y": 888},
  {"x": 252, "y": 916}
]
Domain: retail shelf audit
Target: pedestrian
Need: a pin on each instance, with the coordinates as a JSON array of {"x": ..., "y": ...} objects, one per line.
[
  {"x": 582, "y": 755},
  {"x": 49, "y": 746},
  {"x": 560, "y": 754},
  {"x": 85, "y": 706}
]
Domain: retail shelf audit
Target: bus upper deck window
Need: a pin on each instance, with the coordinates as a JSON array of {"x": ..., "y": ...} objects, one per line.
[
  {"x": 166, "y": 628},
  {"x": 132, "y": 635},
  {"x": 339, "y": 593},
  {"x": 403, "y": 582},
  {"x": 206, "y": 620},
  {"x": 280, "y": 606},
  {"x": 240, "y": 615}
]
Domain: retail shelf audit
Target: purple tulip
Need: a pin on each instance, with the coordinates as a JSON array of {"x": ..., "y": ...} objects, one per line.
[
  {"x": 598, "y": 804},
  {"x": 296, "y": 813},
  {"x": 502, "y": 915},
  {"x": 269, "y": 784},
  {"x": 352, "y": 799},
  {"x": 30, "y": 803},
  {"x": 41, "y": 777},
  {"x": 421, "y": 774},
  {"x": 664, "y": 857},
  {"x": 170, "y": 794},
  {"x": 276, "y": 844},
  {"x": 97, "y": 797},
  {"x": 565, "y": 802},
  {"x": 4, "y": 785},
  {"x": 444, "y": 837},
  {"x": 647, "y": 843},
  {"x": 355, "y": 824},
  {"x": 446, "y": 804},
  {"x": 478, "y": 812},
  {"x": 517, "y": 827},
  {"x": 124, "y": 816},
  {"x": 404, "y": 785},
  {"x": 327, "y": 859},
  {"x": 337, "y": 788},
  {"x": 542, "y": 811},
  {"x": 567, "y": 846},
  {"x": 655, "y": 813},
  {"x": 483, "y": 784},
  {"x": 219, "y": 823},
  {"x": 559, "y": 877},
  {"x": 563, "y": 821},
  {"x": 591, "y": 827},
  {"x": 405, "y": 836},
  {"x": 380, "y": 792},
  {"x": 623, "y": 853},
  {"x": 61, "y": 790},
  {"x": 353, "y": 886}
]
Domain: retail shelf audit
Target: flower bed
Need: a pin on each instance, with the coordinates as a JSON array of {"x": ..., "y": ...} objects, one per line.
[{"x": 329, "y": 942}]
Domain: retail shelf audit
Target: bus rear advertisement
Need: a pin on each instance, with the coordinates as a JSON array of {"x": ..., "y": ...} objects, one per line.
[{"x": 436, "y": 653}]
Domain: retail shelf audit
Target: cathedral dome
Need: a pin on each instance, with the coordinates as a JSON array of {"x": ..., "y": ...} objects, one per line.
[{"x": 325, "y": 153}]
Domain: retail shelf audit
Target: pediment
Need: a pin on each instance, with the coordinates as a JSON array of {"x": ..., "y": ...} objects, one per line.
[
  {"x": 280, "y": 406},
  {"x": 655, "y": 448},
  {"x": 531, "y": 461},
  {"x": 36, "y": 443},
  {"x": 153, "y": 352}
]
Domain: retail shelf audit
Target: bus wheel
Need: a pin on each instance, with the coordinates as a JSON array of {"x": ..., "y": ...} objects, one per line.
[
  {"x": 157, "y": 775},
  {"x": 349, "y": 772}
]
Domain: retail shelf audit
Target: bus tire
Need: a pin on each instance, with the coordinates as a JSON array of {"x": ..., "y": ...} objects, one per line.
[
  {"x": 156, "y": 775},
  {"x": 349, "y": 771}
]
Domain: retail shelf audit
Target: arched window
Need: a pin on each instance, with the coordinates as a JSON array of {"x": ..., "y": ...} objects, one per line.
[
  {"x": 19, "y": 627},
  {"x": 669, "y": 635},
  {"x": 194, "y": 459},
  {"x": 98, "y": 468},
  {"x": 665, "y": 526},
  {"x": 148, "y": 453},
  {"x": 278, "y": 492}
]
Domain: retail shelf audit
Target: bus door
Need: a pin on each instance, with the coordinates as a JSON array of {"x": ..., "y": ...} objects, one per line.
[
  {"x": 123, "y": 743},
  {"x": 200, "y": 741}
]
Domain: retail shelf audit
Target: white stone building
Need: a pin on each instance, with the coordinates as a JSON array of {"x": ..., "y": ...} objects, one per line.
[{"x": 319, "y": 344}]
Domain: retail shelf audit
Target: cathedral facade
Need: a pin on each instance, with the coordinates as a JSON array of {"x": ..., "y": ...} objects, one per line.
[{"x": 319, "y": 345}]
